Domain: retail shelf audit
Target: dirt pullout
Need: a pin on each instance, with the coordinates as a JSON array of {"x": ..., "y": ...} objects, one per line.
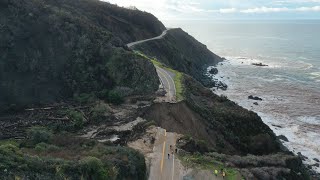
[
  {"x": 145, "y": 145},
  {"x": 181, "y": 119}
]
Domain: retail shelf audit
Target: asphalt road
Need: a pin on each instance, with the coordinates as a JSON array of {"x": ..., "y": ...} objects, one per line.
[
  {"x": 166, "y": 77},
  {"x": 162, "y": 167},
  {"x": 167, "y": 82},
  {"x": 145, "y": 40}
]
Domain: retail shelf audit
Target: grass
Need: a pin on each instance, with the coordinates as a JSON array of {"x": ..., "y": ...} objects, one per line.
[
  {"x": 9, "y": 141},
  {"x": 178, "y": 78},
  {"x": 204, "y": 162}
]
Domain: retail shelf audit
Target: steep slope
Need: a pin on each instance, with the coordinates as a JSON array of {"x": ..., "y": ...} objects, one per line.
[
  {"x": 182, "y": 52},
  {"x": 220, "y": 134},
  {"x": 225, "y": 126},
  {"x": 52, "y": 50}
]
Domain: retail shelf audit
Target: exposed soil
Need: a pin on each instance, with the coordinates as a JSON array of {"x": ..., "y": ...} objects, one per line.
[{"x": 181, "y": 119}]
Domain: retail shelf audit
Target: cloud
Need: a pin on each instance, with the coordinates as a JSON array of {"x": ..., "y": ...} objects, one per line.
[
  {"x": 228, "y": 10},
  {"x": 265, "y": 10},
  {"x": 298, "y": 1},
  {"x": 283, "y": 9},
  {"x": 303, "y": 9},
  {"x": 206, "y": 9}
]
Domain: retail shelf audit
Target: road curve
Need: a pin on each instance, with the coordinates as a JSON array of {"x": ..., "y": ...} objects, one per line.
[
  {"x": 167, "y": 82},
  {"x": 166, "y": 77},
  {"x": 130, "y": 45}
]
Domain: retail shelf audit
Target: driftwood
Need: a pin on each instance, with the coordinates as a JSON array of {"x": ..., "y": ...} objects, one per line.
[
  {"x": 35, "y": 109},
  {"x": 59, "y": 119}
]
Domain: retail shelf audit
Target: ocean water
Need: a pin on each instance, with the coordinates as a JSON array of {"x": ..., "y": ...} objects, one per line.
[{"x": 289, "y": 85}]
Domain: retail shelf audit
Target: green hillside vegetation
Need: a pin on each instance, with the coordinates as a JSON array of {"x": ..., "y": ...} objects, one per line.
[
  {"x": 205, "y": 162},
  {"x": 53, "y": 50},
  {"x": 240, "y": 131},
  {"x": 180, "y": 51},
  {"x": 178, "y": 79},
  {"x": 66, "y": 157}
]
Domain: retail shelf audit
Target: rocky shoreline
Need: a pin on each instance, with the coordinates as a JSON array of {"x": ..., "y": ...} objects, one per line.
[
  {"x": 217, "y": 83},
  {"x": 214, "y": 72}
]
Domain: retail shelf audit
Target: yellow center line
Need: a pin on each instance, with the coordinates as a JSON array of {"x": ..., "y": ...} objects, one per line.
[{"x": 163, "y": 150}]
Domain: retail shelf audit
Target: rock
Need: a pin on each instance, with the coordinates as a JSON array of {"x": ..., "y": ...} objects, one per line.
[
  {"x": 276, "y": 126},
  {"x": 213, "y": 71},
  {"x": 302, "y": 156},
  {"x": 259, "y": 64},
  {"x": 282, "y": 137},
  {"x": 255, "y": 103},
  {"x": 316, "y": 165},
  {"x": 315, "y": 159},
  {"x": 221, "y": 85},
  {"x": 161, "y": 93},
  {"x": 254, "y": 98}
]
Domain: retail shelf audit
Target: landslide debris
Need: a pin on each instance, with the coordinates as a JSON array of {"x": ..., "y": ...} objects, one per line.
[{"x": 218, "y": 130}]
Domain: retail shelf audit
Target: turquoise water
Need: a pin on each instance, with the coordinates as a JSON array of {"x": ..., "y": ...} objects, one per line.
[{"x": 289, "y": 86}]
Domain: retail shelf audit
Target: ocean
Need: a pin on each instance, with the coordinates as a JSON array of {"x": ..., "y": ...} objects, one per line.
[{"x": 289, "y": 85}]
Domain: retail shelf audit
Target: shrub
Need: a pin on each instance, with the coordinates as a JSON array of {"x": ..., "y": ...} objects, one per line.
[
  {"x": 39, "y": 134},
  {"x": 84, "y": 98},
  {"x": 98, "y": 112},
  {"x": 76, "y": 118},
  {"x": 41, "y": 147},
  {"x": 92, "y": 168},
  {"x": 114, "y": 98},
  {"x": 10, "y": 156}
]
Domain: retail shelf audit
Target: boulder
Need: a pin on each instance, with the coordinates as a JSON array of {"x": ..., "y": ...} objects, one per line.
[
  {"x": 213, "y": 71},
  {"x": 315, "y": 159},
  {"x": 254, "y": 98},
  {"x": 302, "y": 156},
  {"x": 259, "y": 64},
  {"x": 282, "y": 137},
  {"x": 255, "y": 103},
  {"x": 316, "y": 165}
]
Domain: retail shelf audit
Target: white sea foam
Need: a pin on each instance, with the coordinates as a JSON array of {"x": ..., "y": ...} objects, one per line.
[{"x": 288, "y": 108}]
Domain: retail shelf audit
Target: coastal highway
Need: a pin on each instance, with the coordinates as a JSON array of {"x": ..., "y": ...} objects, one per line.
[
  {"x": 162, "y": 167},
  {"x": 166, "y": 77},
  {"x": 167, "y": 82},
  {"x": 130, "y": 45}
]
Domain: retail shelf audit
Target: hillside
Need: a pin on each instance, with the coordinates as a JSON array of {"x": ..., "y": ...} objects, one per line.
[
  {"x": 73, "y": 96},
  {"x": 182, "y": 52},
  {"x": 53, "y": 50}
]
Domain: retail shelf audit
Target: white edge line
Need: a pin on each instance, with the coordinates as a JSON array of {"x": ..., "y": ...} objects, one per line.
[
  {"x": 166, "y": 80},
  {"x": 172, "y": 167},
  {"x": 174, "y": 85}
]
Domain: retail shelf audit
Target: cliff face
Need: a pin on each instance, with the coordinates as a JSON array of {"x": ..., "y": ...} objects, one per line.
[
  {"x": 226, "y": 127},
  {"x": 52, "y": 50},
  {"x": 182, "y": 52}
]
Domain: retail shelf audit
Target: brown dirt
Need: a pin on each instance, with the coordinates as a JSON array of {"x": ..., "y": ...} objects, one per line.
[{"x": 181, "y": 119}]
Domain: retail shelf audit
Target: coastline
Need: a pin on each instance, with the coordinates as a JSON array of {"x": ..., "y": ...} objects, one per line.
[{"x": 281, "y": 124}]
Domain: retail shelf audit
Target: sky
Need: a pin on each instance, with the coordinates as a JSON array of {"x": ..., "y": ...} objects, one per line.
[{"x": 226, "y": 9}]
